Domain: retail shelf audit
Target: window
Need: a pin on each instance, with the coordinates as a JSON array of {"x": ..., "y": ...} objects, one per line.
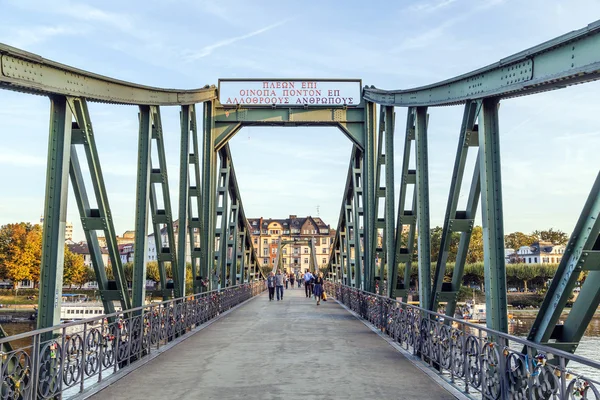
[
  {"x": 265, "y": 252},
  {"x": 552, "y": 259},
  {"x": 306, "y": 250},
  {"x": 284, "y": 251},
  {"x": 273, "y": 241},
  {"x": 529, "y": 260},
  {"x": 265, "y": 241},
  {"x": 535, "y": 259},
  {"x": 255, "y": 241},
  {"x": 324, "y": 241},
  {"x": 324, "y": 261},
  {"x": 296, "y": 261},
  {"x": 306, "y": 261},
  {"x": 324, "y": 250},
  {"x": 273, "y": 250}
]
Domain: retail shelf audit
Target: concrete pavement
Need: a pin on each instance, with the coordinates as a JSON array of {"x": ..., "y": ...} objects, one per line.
[{"x": 289, "y": 349}]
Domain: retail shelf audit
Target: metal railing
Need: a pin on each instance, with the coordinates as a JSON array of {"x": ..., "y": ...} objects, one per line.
[
  {"x": 480, "y": 362},
  {"x": 85, "y": 352}
]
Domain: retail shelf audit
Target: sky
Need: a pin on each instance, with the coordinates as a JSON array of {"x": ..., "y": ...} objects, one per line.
[{"x": 549, "y": 142}]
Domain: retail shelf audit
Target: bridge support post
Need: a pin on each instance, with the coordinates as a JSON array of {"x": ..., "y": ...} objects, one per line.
[
  {"x": 209, "y": 190},
  {"x": 194, "y": 216},
  {"x": 55, "y": 213},
  {"x": 492, "y": 217},
  {"x": 422, "y": 190},
  {"x": 389, "y": 251},
  {"x": 404, "y": 254},
  {"x": 142, "y": 198},
  {"x": 368, "y": 186}
]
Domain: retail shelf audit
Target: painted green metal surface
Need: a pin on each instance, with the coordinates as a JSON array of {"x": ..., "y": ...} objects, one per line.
[
  {"x": 194, "y": 217},
  {"x": 388, "y": 236},
  {"x": 209, "y": 190},
  {"x": 492, "y": 217},
  {"x": 55, "y": 213},
  {"x": 369, "y": 198},
  {"x": 422, "y": 190},
  {"x": 142, "y": 199}
]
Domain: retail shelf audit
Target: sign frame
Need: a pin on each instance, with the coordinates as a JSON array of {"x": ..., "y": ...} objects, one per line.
[{"x": 354, "y": 102}]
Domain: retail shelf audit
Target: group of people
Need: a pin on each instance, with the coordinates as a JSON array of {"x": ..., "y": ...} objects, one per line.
[{"x": 313, "y": 284}]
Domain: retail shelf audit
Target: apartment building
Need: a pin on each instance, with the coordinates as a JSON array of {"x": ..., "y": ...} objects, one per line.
[{"x": 266, "y": 233}]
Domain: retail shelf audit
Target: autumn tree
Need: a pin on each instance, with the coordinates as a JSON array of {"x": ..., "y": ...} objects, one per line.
[
  {"x": 551, "y": 235},
  {"x": 75, "y": 271},
  {"x": 475, "y": 252},
  {"x": 17, "y": 257}
]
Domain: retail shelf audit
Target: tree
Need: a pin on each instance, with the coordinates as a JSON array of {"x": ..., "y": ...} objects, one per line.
[
  {"x": 516, "y": 240},
  {"x": 33, "y": 252},
  {"x": 16, "y": 257},
  {"x": 475, "y": 252},
  {"x": 75, "y": 271},
  {"x": 551, "y": 235},
  {"x": 152, "y": 273}
]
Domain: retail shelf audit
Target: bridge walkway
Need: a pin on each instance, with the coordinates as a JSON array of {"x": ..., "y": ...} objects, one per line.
[{"x": 289, "y": 349}]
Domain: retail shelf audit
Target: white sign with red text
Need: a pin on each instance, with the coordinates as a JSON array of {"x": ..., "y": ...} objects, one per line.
[{"x": 289, "y": 93}]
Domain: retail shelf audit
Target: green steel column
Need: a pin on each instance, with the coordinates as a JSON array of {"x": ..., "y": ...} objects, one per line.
[
  {"x": 492, "y": 217},
  {"x": 392, "y": 268},
  {"x": 422, "y": 188},
  {"x": 354, "y": 209},
  {"x": 194, "y": 224},
  {"x": 234, "y": 238},
  {"x": 184, "y": 185},
  {"x": 209, "y": 191},
  {"x": 55, "y": 213},
  {"x": 142, "y": 197},
  {"x": 370, "y": 166}
]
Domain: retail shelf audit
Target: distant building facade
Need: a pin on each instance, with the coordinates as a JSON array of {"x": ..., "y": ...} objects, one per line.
[
  {"x": 266, "y": 234},
  {"x": 539, "y": 252}
]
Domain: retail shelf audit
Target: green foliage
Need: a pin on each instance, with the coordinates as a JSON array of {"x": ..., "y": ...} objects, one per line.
[
  {"x": 524, "y": 300},
  {"x": 75, "y": 272},
  {"x": 516, "y": 240},
  {"x": 551, "y": 235}
]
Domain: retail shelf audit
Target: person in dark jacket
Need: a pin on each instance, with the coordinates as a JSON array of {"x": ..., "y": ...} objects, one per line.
[
  {"x": 318, "y": 290},
  {"x": 271, "y": 286}
]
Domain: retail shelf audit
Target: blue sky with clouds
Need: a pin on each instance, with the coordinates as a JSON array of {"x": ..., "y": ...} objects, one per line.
[{"x": 549, "y": 141}]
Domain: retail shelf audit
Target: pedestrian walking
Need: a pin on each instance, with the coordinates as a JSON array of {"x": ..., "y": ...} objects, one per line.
[
  {"x": 299, "y": 279},
  {"x": 287, "y": 280},
  {"x": 292, "y": 279},
  {"x": 319, "y": 287},
  {"x": 271, "y": 285},
  {"x": 279, "y": 280},
  {"x": 307, "y": 283}
]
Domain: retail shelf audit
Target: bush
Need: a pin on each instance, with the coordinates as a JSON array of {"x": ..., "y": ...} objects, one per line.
[{"x": 524, "y": 300}]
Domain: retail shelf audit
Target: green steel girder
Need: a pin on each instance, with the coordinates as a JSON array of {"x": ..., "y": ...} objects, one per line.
[
  {"x": 27, "y": 72},
  {"x": 422, "y": 190},
  {"x": 233, "y": 242},
  {"x": 581, "y": 254},
  {"x": 162, "y": 217},
  {"x": 566, "y": 60},
  {"x": 228, "y": 121},
  {"x": 388, "y": 237},
  {"x": 492, "y": 216},
  {"x": 456, "y": 221},
  {"x": 369, "y": 198},
  {"x": 142, "y": 197},
  {"x": 209, "y": 190},
  {"x": 405, "y": 217},
  {"x": 355, "y": 211},
  {"x": 100, "y": 218},
  {"x": 55, "y": 213},
  {"x": 222, "y": 211}
]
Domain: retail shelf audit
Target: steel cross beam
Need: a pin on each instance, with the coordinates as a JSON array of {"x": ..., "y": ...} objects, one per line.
[
  {"x": 62, "y": 159},
  {"x": 222, "y": 217},
  {"x": 581, "y": 254},
  {"x": 162, "y": 219},
  {"x": 458, "y": 221},
  {"x": 404, "y": 254}
]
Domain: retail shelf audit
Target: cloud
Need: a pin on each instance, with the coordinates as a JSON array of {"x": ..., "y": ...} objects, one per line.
[
  {"x": 24, "y": 38},
  {"x": 431, "y": 7},
  {"x": 14, "y": 158},
  {"x": 207, "y": 50}
]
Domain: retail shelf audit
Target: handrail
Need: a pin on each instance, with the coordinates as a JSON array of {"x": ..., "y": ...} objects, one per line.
[
  {"x": 28, "y": 72},
  {"x": 472, "y": 357},
  {"x": 563, "y": 61}
]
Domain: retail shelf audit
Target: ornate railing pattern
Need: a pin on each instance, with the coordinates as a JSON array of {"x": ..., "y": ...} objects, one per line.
[
  {"x": 86, "y": 352},
  {"x": 480, "y": 362}
]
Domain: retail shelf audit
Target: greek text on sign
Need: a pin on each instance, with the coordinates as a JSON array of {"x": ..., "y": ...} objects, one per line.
[{"x": 291, "y": 93}]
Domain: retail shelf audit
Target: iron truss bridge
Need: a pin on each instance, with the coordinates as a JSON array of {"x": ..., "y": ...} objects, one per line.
[{"x": 210, "y": 204}]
